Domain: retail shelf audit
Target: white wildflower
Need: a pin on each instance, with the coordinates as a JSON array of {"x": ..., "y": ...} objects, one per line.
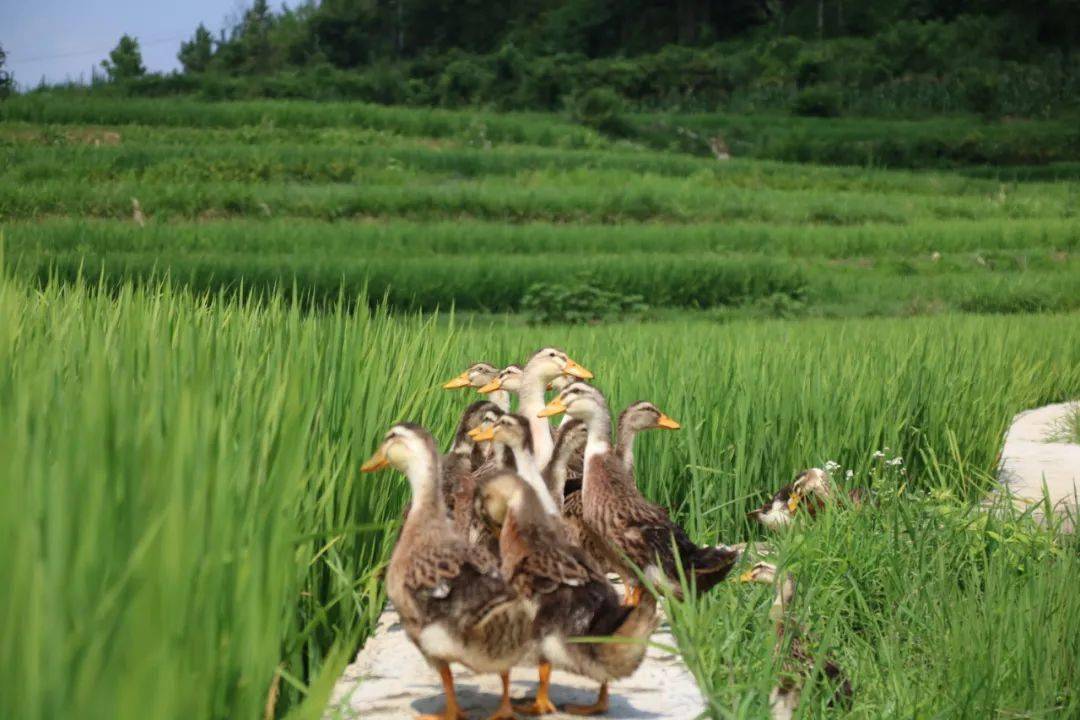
[
  {"x": 895, "y": 461},
  {"x": 831, "y": 466},
  {"x": 849, "y": 474},
  {"x": 878, "y": 455}
]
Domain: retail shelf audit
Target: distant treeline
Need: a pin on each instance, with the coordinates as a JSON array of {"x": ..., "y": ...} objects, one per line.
[{"x": 815, "y": 57}]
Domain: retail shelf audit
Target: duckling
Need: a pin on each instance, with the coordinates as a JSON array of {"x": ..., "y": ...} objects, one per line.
[
  {"x": 513, "y": 431},
  {"x": 452, "y": 599},
  {"x": 779, "y": 512},
  {"x": 477, "y": 376},
  {"x": 542, "y": 368},
  {"x": 574, "y": 598},
  {"x": 798, "y": 663},
  {"x": 632, "y": 527}
]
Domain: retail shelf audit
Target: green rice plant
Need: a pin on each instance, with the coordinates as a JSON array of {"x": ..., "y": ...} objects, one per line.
[
  {"x": 187, "y": 530},
  {"x": 536, "y": 128}
]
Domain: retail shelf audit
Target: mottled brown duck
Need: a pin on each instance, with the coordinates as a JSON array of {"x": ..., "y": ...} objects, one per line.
[
  {"x": 796, "y": 661},
  {"x": 639, "y": 534},
  {"x": 454, "y": 604},
  {"x": 574, "y": 599}
]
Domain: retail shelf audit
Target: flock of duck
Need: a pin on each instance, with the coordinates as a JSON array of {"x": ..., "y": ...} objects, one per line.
[{"x": 504, "y": 554}]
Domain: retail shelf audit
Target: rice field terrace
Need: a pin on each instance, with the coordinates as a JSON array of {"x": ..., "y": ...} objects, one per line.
[
  {"x": 185, "y": 531},
  {"x": 437, "y": 209}
]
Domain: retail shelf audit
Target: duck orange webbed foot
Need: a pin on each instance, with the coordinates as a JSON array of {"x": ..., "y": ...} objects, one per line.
[
  {"x": 539, "y": 706},
  {"x": 598, "y": 708},
  {"x": 542, "y": 705},
  {"x": 505, "y": 711}
]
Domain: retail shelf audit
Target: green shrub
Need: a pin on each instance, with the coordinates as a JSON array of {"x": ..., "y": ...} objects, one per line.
[
  {"x": 577, "y": 304},
  {"x": 464, "y": 81},
  {"x": 982, "y": 93},
  {"x": 600, "y": 108},
  {"x": 817, "y": 101}
]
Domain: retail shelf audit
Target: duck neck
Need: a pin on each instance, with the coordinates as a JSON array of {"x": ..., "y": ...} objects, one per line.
[
  {"x": 785, "y": 593},
  {"x": 556, "y": 472},
  {"x": 624, "y": 445},
  {"x": 427, "y": 503},
  {"x": 530, "y": 473},
  {"x": 531, "y": 402},
  {"x": 598, "y": 427},
  {"x": 501, "y": 399}
]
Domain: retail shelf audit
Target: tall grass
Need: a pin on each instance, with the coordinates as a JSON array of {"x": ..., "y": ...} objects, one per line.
[{"x": 183, "y": 521}]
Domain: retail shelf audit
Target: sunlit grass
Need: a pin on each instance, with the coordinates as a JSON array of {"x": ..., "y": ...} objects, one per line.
[{"x": 184, "y": 520}]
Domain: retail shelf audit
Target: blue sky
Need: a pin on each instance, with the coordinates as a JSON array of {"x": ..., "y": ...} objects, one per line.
[{"x": 62, "y": 39}]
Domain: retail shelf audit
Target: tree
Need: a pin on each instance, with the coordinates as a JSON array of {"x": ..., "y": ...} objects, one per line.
[
  {"x": 6, "y": 81},
  {"x": 125, "y": 60},
  {"x": 195, "y": 55},
  {"x": 255, "y": 37}
]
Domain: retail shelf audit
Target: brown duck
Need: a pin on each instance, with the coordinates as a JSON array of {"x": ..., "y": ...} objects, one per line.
[
  {"x": 796, "y": 662},
  {"x": 572, "y": 596},
  {"x": 639, "y": 534},
  {"x": 477, "y": 376},
  {"x": 454, "y": 604}
]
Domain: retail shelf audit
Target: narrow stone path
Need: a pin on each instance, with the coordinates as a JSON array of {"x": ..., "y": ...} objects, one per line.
[
  {"x": 1029, "y": 459},
  {"x": 390, "y": 681}
]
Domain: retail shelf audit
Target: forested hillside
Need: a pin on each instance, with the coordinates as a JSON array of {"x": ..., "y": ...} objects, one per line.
[{"x": 810, "y": 57}]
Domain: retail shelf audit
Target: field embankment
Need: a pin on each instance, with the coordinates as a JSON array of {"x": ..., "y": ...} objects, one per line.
[{"x": 433, "y": 208}]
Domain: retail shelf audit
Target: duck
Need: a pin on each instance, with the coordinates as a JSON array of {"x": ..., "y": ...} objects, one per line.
[
  {"x": 543, "y": 366},
  {"x": 638, "y": 533},
  {"x": 573, "y": 597},
  {"x": 638, "y": 416},
  {"x": 454, "y": 603},
  {"x": 570, "y": 446},
  {"x": 461, "y": 466},
  {"x": 811, "y": 489},
  {"x": 477, "y": 376},
  {"x": 465, "y": 455},
  {"x": 797, "y": 663},
  {"x": 513, "y": 431},
  {"x": 562, "y": 475}
]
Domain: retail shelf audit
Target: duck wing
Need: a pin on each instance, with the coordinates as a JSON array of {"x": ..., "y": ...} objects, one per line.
[{"x": 452, "y": 579}]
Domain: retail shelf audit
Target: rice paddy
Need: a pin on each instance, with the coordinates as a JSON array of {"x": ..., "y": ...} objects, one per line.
[
  {"x": 185, "y": 530},
  {"x": 440, "y": 209}
]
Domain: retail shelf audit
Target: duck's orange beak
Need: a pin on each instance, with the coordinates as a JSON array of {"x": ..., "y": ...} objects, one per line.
[
  {"x": 667, "y": 422},
  {"x": 747, "y": 576},
  {"x": 555, "y": 407},
  {"x": 793, "y": 501},
  {"x": 376, "y": 462},
  {"x": 572, "y": 368},
  {"x": 460, "y": 381},
  {"x": 490, "y": 387},
  {"x": 482, "y": 433}
]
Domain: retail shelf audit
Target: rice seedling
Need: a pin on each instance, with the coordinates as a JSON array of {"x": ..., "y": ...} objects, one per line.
[{"x": 185, "y": 524}]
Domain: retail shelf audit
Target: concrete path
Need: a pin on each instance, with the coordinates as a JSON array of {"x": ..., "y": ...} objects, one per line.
[
  {"x": 1029, "y": 460},
  {"x": 390, "y": 681}
]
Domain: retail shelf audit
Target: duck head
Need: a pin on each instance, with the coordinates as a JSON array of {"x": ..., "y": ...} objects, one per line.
[{"x": 476, "y": 375}]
